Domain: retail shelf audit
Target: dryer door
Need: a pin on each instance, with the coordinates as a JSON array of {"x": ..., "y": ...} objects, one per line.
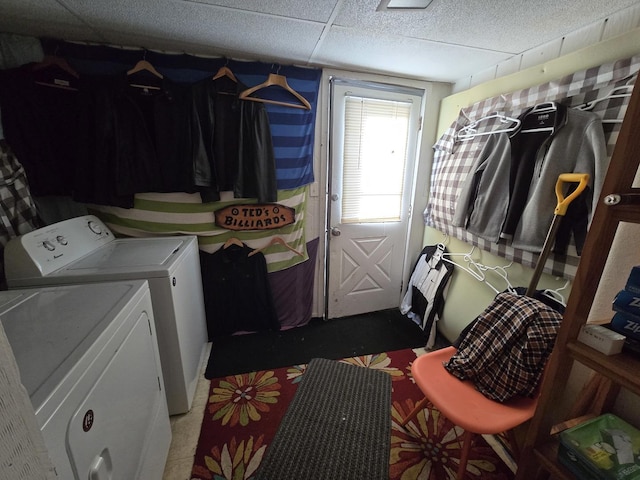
[{"x": 108, "y": 433}]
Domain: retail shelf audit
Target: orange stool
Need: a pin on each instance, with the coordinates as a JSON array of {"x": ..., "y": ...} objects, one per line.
[{"x": 463, "y": 405}]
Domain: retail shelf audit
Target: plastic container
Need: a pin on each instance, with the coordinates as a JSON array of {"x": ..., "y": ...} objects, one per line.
[{"x": 604, "y": 448}]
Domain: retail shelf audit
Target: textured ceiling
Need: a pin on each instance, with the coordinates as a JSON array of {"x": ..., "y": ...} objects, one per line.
[{"x": 447, "y": 41}]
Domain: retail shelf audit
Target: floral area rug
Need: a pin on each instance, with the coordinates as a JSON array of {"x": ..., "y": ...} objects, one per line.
[{"x": 244, "y": 411}]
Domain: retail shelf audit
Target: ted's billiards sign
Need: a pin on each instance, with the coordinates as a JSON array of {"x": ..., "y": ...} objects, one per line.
[{"x": 266, "y": 216}]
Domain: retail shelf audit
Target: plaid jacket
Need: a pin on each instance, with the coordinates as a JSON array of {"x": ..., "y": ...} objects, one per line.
[
  {"x": 18, "y": 213},
  {"x": 505, "y": 351}
]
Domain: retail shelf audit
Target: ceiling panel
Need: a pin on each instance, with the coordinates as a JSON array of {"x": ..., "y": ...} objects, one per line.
[
  {"x": 415, "y": 58},
  {"x": 223, "y": 30},
  {"x": 501, "y": 25},
  {"x": 317, "y": 11},
  {"x": 29, "y": 10}
]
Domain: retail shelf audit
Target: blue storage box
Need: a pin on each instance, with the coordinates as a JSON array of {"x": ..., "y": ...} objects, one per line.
[
  {"x": 626, "y": 324},
  {"x": 627, "y": 302}
]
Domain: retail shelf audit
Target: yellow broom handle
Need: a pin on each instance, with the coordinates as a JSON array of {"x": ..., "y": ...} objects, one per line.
[{"x": 582, "y": 179}]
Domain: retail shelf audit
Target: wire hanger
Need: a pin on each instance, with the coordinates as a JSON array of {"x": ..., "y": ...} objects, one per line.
[
  {"x": 276, "y": 241},
  {"x": 141, "y": 67},
  {"x": 64, "y": 76},
  {"x": 474, "y": 269},
  {"x": 471, "y": 131},
  {"x": 541, "y": 118},
  {"x": 275, "y": 79},
  {"x": 501, "y": 271},
  {"x": 621, "y": 91},
  {"x": 556, "y": 295}
]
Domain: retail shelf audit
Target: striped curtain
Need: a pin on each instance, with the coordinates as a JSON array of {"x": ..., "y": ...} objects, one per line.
[{"x": 185, "y": 214}]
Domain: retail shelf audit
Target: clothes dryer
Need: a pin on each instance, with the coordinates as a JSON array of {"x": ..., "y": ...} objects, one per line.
[
  {"x": 88, "y": 358},
  {"x": 83, "y": 250}
]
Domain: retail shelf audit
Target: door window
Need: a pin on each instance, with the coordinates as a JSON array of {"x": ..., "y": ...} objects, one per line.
[{"x": 376, "y": 134}]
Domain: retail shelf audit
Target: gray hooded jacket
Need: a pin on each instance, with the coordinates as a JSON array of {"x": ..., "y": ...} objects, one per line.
[{"x": 577, "y": 145}]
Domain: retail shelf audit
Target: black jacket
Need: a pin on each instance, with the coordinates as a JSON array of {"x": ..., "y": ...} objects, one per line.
[
  {"x": 237, "y": 292},
  {"x": 134, "y": 140},
  {"x": 237, "y": 141},
  {"x": 40, "y": 125}
]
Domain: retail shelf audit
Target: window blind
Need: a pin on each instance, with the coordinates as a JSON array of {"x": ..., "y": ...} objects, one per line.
[{"x": 375, "y": 153}]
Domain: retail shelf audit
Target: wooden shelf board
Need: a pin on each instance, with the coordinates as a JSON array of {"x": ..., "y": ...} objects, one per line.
[{"x": 622, "y": 368}]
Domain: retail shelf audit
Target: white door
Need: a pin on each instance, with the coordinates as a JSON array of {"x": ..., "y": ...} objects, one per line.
[{"x": 374, "y": 132}]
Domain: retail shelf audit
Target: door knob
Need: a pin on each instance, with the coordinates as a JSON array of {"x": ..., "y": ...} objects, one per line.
[
  {"x": 334, "y": 197},
  {"x": 335, "y": 231}
]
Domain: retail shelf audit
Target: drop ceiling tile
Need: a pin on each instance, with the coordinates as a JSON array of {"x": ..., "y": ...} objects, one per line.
[
  {"x": 45, "y": 10},
  {"x": 576, "y": 40},
  {"x": 222, "y": 30},
  {"x": 509, "y": 66},
  {"x": 79, "y": 32},
  {"x": 541, "y": 54},
  {"x": 43, "y": 18},
  {"x": 302, "y": 9},
  {"x": 621, "y": 22},
  {"x": 415, "y": 58},
  {"x": 500, "y": 25}
]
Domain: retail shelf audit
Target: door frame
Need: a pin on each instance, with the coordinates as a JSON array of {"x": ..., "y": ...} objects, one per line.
[
  {"x": 381, "y": 84},
  {"x": 435, "y": 92}
]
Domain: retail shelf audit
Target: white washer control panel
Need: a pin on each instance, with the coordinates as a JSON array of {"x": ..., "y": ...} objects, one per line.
[{"x": 43, "y": 251}]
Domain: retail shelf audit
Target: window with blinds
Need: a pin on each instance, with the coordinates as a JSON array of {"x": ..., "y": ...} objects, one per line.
[{"x": 375, "y": 155}]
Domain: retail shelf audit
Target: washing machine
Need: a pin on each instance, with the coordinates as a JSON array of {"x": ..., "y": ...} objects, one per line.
[
  {"x": 88, "y": 358},
  {"x": 83, "y": 249}
]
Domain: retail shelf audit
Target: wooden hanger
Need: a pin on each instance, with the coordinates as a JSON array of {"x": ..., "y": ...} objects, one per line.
[
  {"x": 57, "y": 81},
  {"x": 225, "y": 72},
  {"x": 279, "y": 241},
  {"x": 54, "y": 60},
  {"x": 277, "y": 80},
  {"x": 145, "y": 66},
  {"x": 233, "y": 241}
]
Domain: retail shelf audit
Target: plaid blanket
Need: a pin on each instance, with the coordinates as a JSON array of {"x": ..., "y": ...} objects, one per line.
[{"x": 506, "y": 349}]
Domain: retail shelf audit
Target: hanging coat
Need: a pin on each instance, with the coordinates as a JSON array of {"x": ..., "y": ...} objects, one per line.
[
  {"x": 237, "y": 141},
  {"x": 237, "y": 293},
  {"x": 505, "y": 198}
]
